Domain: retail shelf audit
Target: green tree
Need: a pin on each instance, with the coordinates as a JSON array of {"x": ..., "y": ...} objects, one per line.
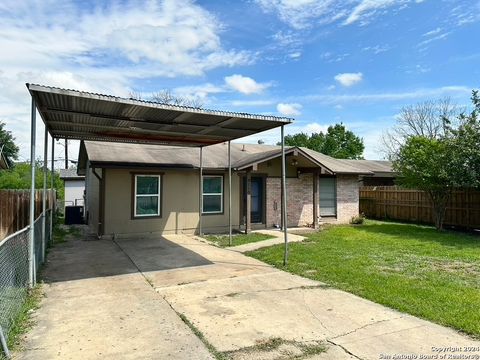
[
  {"x": 18, "y": 177},
  {"x": 421, "y": 161},
  {"x": 7, "y": 145},
  {"x": 465, "y": 144},
  {"x": 337, "y": 142}
]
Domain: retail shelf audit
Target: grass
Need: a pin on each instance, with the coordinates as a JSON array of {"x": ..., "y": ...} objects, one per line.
[
  {"x": 22, "y": 322},
  {"x": 414, "y": 269},
  {"x": 237, "y": 239},
  {"x": 60, "y": 232}
]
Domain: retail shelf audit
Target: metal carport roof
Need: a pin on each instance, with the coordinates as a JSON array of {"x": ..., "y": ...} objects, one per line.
[{"x": 79, "y": 115}]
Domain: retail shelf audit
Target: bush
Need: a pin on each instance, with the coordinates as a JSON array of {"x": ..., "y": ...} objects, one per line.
[{"x": 358, "y": 220}]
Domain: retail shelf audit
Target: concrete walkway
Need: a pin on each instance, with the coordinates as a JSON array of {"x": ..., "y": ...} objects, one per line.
[
  {"x": 239, "y": 302},
  {"x": 278, "y": 239},
  {"x": 97, "y": 305}
]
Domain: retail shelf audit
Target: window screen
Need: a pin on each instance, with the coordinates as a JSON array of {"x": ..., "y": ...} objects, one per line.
[
  {"x": 147, "y": 195},
  {"x": 328, "y": 196},
  {"x": 212, "y": 194}
]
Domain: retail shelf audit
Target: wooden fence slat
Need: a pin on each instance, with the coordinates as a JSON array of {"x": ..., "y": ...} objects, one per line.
[
  {"x": 380, "y": 202},
  {"x": 15, "y": 209}
]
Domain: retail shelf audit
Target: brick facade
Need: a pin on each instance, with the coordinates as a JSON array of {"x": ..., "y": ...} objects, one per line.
[
  {"x": 300, "y": 199},
  {"x": 347, "y": 197}
]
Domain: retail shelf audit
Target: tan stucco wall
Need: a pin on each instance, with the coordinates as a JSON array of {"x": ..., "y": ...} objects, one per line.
[
  {"x": 180, "y": 202},
  {"x": 274, "y": 168}
]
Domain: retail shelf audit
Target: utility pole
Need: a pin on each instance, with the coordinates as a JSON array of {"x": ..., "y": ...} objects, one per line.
[{"x": 66, "y": 153}]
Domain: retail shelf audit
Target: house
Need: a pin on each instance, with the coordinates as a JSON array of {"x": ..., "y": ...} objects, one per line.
[
  {"x": 138, "y": 189},
  {"x": 382, "y": 172},
  {"x": 74, "y": 187}
]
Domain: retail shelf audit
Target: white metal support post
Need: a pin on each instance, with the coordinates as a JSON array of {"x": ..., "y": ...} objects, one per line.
[
  {"x": 229, "y": 194},
  {"x": 284, "y": 200},
  {"x": 51, "y": 191},
  {"x": 200, "y": 194},
  {"x": 44, "y": 194},
  {"x": 31, "y": 252}
]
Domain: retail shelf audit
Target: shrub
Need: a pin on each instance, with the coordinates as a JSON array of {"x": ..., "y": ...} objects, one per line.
[{"x": 358, "y": 220}]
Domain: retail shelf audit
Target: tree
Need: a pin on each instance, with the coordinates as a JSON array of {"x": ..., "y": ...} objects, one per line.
[
  {"x": 7, "y": 145},
  {"x": 421, "y": 161},
  {"x": 425, "y": 119},
  {"x": 338, "y": 142},
  {"x": 18, "y": 177},
  {"x": 165, "y": 96},
  {"x": 465, "y": 144}
]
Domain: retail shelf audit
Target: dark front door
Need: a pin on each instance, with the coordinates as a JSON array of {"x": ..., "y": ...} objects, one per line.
[{"x": 257, "y": 191}]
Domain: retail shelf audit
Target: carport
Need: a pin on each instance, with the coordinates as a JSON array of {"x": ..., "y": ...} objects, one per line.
[{"x": 78, "y": 115}]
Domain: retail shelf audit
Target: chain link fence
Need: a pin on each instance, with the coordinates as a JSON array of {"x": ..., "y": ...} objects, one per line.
[{"x": 14, "y": 269}]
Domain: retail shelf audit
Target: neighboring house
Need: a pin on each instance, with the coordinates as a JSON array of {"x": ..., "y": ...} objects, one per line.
[
  {"x": 74, "y": 187},
  {"x": 154, "y": 189},
  {"x": 383, "y": 174}
]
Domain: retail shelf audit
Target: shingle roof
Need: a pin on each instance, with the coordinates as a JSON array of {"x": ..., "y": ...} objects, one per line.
[
  {"x": 214, "y": 156},
  {"x": 70, "y": 174}
]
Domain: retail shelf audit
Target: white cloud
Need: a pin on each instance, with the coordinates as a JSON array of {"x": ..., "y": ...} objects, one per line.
[
  {"x": 377, "y": 49},
  {"x": 242, "y": 103},
  {"x": 428, "y": 93},
  {"x": 433, "y": 32},
  {"x": 368, "y": 8},
  {"x": 302, "y": 14},
  {"x": 315, "y": 128},
  {"x": 348, "y": 79},
  {"x": 105, "y": 48},
  {"x": 289, "y": 109},
  {"x": 245, "y": 84}
]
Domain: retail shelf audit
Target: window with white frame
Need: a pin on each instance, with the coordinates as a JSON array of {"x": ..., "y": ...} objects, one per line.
[
  {"x": 147, "y": 195},
  {"x": 212, "y": 194}
]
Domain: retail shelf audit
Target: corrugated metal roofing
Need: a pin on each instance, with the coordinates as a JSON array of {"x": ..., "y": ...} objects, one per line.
[
  {"x": 214, "y": 157},
  {"x": 82, "y": 115}
]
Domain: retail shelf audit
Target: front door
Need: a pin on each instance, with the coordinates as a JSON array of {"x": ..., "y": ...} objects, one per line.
[{"x": 257, "y": 188}]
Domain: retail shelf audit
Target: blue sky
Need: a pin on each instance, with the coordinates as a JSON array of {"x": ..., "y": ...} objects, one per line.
[{"x": 321, "y": 62}]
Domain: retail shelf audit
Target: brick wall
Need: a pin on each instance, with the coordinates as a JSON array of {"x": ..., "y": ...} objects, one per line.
[
  {"x": 347, "y": 197},
  {"x": 300, "y": 199}
]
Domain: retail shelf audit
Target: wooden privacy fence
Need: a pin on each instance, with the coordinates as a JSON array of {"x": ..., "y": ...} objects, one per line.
[
  {"x": 392, "y": 202},
  {"x": 15, "y": 209}
]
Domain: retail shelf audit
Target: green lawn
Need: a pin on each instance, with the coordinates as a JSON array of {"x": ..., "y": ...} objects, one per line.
[
  {"x": 237, "y": 239},
  {"x": 415, "y": 269}
]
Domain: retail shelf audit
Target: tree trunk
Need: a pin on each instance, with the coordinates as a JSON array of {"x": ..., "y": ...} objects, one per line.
[{"x": 439, "y": 200}]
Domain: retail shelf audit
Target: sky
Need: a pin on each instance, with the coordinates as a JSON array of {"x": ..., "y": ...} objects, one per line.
[{"x": 322, "y": 62}]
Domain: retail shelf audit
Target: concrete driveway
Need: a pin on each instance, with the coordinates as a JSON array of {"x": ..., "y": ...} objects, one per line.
[
  {"x": 97, "y": 305},
  {"x": 100, "y": 303}
]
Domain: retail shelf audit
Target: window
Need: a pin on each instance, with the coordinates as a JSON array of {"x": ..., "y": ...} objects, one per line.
[
  {"x": 147, "y": 195},
  {"x": 328, "y": 196},
  {"x": 212, "y": 194}
]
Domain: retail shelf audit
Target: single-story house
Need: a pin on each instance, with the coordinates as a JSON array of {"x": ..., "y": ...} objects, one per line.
[
  {"x": 138, "y": 189},
  {"x": 382, "y": 172},
  {"x": 74, "y": 187}
]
